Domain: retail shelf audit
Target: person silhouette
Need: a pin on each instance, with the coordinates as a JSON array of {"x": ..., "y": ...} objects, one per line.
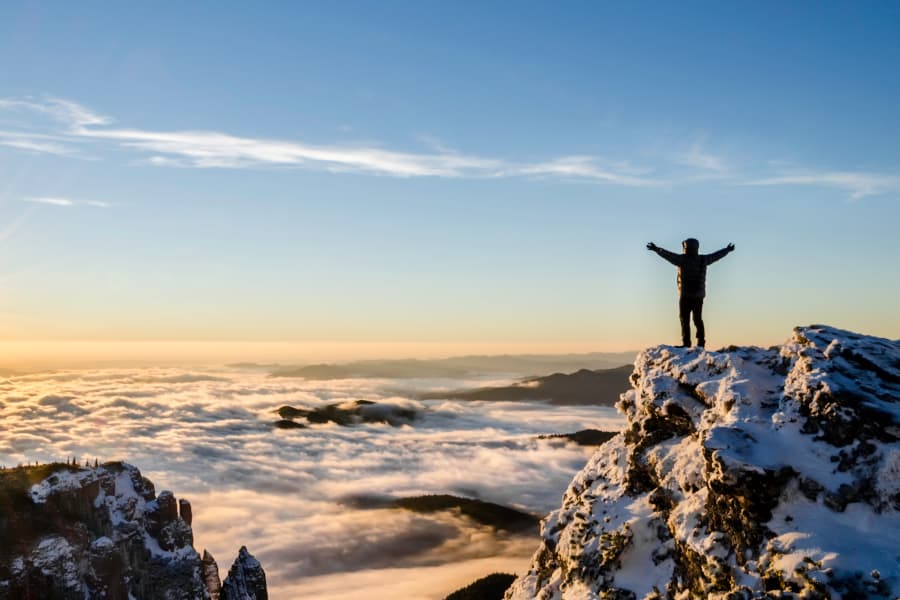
[{"x": 691, "y": 284}]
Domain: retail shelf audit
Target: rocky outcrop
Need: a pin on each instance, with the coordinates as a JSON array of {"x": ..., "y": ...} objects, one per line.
[
  {"x": 246, "y": 579},
  {"x": 743, "y": 473},
  {"x": 354, "y": 412},
  {"x": 585, "y": 437},
  {"x": 73, "y": 533},
  {"x": 584, "y": 387},
  {"x": 209, "y": 571},
  {"x": 497, "y": 516},
  {"x": 491, "y": 587}
]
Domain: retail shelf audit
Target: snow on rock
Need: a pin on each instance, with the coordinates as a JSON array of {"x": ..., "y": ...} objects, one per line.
[
  {"x": 740, "y": 473},
  {"x": 97, "y": 533},
  {"x": 246, "y": 579}
]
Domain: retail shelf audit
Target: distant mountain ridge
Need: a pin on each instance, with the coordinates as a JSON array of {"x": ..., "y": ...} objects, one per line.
[
  {"x": 455, "y": 367},
  {"x": 485, "y": 513},
  {"x": 584, "y": 387}
]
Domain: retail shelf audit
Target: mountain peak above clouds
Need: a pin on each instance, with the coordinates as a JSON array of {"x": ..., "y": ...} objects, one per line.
[{"x": 739, "y": 472}]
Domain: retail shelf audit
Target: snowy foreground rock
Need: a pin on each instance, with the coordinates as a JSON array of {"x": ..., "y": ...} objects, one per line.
[
  {"x": 104, "y": 533},
  {"x": 744, "y": 473}
]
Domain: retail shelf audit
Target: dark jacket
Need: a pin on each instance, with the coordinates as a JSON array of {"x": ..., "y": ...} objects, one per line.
[{"x": 691, "y": 270}]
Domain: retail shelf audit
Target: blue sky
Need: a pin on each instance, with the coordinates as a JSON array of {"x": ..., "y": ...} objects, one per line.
[{"x": 445, "y": 173}]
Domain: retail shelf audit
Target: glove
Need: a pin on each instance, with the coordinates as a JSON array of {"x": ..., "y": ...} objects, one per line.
[
  {"x": 731, "y": 247},
  {"x": 651, "y": 246}
]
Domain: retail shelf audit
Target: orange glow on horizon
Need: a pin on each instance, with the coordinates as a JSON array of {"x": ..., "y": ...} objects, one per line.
[{"x": 36, "y": 354}]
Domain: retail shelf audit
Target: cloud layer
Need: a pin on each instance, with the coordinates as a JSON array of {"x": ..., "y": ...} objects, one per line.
[{"x": 208, "y": 437}]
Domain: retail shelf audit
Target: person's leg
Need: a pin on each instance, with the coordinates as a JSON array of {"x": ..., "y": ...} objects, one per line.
[
  {"x": 684, "y": 313},
  {"x": 698, "y": 322}
]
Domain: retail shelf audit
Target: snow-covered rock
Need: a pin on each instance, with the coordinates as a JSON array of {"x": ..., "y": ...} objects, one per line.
[
  {"x": 246, "y": 579},
  {"x": 97, "y": 532},
  {"x": 740, "y": 473}
]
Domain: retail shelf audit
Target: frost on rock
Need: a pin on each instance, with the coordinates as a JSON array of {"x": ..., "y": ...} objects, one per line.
[
  {"x": 96, "y": 533},
  {"x": 740, "y": 474}
]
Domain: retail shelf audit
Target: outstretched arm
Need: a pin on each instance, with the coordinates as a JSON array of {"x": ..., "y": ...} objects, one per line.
[
  {"x": 673, "y": 258},
  {"x": 718, "y": 254}
]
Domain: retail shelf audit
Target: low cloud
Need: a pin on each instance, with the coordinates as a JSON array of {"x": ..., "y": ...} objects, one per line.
[{"x": 208, "y": 436}]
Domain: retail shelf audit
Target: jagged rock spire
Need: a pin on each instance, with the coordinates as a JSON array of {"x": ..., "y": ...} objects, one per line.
[{"x": 246, "y": 579}]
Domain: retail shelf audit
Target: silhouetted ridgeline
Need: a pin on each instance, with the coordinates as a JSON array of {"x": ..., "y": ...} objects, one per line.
[
  {"x": 463, "y": 366},
  {"x": 584, "y": 387},
  {"x": 491, "y": 587},
  {"x": 739, "y": 472},
  {"x": 69, "y": 532},
  {"x": 349, "y": 413},
  {"x": 485, "y": 513},
  {"x": 585, "y": 437}
]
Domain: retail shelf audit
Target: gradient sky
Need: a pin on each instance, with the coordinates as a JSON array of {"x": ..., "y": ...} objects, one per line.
[{"x": 424, "y": 175}]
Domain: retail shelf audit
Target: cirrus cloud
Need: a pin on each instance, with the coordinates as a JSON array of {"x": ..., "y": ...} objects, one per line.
[
  {"x": 60, "y": 201},
  {"x": 858, "y": 183},
  {"x": 71, "y": 129},
  {"x": 74, "y": 126}
]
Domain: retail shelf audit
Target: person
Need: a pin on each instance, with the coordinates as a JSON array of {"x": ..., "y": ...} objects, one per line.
[{"x": 691, "y": 284}]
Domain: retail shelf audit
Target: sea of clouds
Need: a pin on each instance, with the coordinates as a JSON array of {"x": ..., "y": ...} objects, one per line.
[{"x": 207, "y": 435}]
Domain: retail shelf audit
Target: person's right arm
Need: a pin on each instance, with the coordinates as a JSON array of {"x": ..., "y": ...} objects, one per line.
[{"x": 673, "y": 258}]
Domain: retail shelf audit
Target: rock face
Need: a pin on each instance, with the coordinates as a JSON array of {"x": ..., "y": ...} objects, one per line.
[
  {"x": 740, "y": 473},
  {"x": 97, "y": 533}
]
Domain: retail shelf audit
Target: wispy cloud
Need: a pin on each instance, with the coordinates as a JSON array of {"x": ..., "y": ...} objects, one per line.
[
  {"x": 858, "y": 183},
  {"x": 10, "y": 229},
  {"x": 207, "y": 149},
  {"x": 59, "y": 201},
  {"x": 585, "y": 167},
  {"x": 51, "y": 201},
  {"x": 69, "y": 127},
  {"x": 63, "y": 111},
  {"x": 33, "y": 145},
  {"x": 35, "y": 142},
  {"x": 698, "y": 157},
  {"x": 212, "y": 149}
]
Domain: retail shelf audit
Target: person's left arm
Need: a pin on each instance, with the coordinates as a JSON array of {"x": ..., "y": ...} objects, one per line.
[{"x": 719, "y": 254}]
